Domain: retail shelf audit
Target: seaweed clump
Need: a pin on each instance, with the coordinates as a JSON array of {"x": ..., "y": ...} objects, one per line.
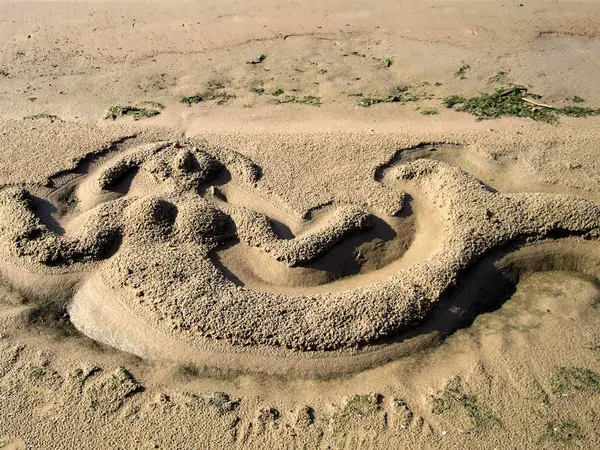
[
  {"x": 305, "y": 100},
  {"x": 515, "y": 101},
  {"x": 134, "y": 111},
  {"x": 196, "y": 98}
]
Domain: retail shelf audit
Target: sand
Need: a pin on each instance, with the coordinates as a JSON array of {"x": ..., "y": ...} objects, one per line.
[{"x": 278, "y": 266}]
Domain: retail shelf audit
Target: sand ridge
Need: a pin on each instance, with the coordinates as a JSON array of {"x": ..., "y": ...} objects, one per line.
[{"x": 157, "y": 246}]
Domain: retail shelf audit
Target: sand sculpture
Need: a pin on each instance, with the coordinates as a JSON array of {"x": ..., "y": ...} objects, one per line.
[{"x": 155, "y": 229}]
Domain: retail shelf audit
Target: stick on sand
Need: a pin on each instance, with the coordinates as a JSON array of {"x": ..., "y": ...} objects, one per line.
[{"x": 537, "y": 104}]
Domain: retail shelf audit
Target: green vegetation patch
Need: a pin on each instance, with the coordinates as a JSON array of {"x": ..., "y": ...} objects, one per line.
[
  {"x": 214, "y": 92},
  {"x": 387, "y": 62},
  {"x": 356, "y": 407},
  {"x": 196, "y": 98},
  {"x": 596, "y": 351},
  {"x": 579, "y": 111},
  {"x": 450, "y": 398},
  {"x": 429, "y": 111},
  {"x": 369, "y": 101},
  {"x": 570, "y": 379},
  {"x": 304, "y": 100},
  {"x": 156, "y": 105},
  {"x": 136, "y": 112},
  {"x": 560, "y": 432},
  {"x": 515, "y": 101},
  {"x": 461, "y": 73},
  {"x": 500, "y": 77},
  {"x": 355, "y": 53},
  {"x": 257, "y": 90},
  {"x": 220, "y": 97},
  {"x": 215, "y": 84},
  {"x": 577, "y": 99},
  {"x": 360, "y": 405}
]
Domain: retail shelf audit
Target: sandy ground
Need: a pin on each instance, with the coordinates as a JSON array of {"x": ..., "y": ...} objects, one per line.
[{"x": 278, "y": 266}]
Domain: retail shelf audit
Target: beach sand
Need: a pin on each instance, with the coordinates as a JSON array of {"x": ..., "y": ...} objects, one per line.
[{"x": 258, "y": 225}]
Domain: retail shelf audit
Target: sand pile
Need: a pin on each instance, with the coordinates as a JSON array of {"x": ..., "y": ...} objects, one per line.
[{"x": 150, "y": 224}]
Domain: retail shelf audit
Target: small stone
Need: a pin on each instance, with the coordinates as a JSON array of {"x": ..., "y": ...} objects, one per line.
[
  {"x": 128, "y": 271},
  {"x": 444, "y": 433}
]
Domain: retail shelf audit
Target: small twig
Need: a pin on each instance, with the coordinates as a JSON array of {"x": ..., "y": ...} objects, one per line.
[
  {"x": 537, "y": 104},
  {"x": 513, "y": 89}
]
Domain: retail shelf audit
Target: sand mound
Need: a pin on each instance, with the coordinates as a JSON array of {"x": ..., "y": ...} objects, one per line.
[
  {"x": 255, "y": 230},
  {"x": 159, "y": 215}
]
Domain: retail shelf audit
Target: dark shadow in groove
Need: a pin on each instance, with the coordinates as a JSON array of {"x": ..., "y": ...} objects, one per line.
[
  {"x": 308, "y": 215},
  {"x": 402, "y": 155},
  {"x": 222, "y": 178},
  {"x": 112, "y": 245},
  {"x": 485, "y": 287},
  {"x": 281, "y": 229},
  {"x": 381, "y": 245},
  {"x": 216, "y": 260},
  {"x": 45, "y": 212},
  {"x": 341, "y": 259},
  {"x": 84, "y": 164},
  {"x": 123, "y": 185}
]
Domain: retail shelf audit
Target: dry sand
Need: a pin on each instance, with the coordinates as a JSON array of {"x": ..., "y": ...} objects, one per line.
[{"x": 277, "y": 266}]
